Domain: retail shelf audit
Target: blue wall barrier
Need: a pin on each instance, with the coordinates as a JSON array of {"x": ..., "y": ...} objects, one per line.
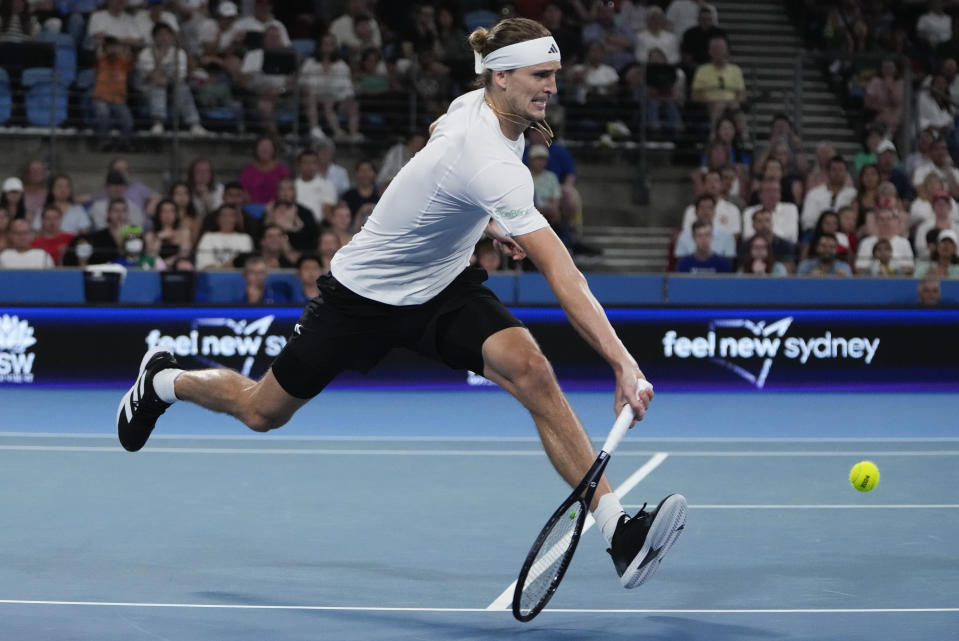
[{"x": 65, "y": 286}]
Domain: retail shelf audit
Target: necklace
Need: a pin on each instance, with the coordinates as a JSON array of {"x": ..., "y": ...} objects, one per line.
[{"x": 541, "y": 126}]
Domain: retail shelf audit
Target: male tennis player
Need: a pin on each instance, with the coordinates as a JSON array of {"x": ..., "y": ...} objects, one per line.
[{"x": 404, "y": 281}]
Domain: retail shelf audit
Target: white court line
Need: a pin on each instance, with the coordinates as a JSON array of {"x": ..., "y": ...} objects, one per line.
[
  {"x": 240, "y": 436},
  {"x": 347, "y": 608},
  {"x": 466, "y": 452},
  {"x": 505, "y": 599},
  {"x": 851, "y": 506}
]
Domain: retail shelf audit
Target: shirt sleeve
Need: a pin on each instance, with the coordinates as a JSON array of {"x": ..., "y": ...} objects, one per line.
[{"x": 505, "y": 191}]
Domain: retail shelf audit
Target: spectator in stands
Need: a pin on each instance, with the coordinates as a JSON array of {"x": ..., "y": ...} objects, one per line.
[
  {"x": 115, "y": 189},
  {"x": 300, "y": 18},
  {"x": 20, "y": 254},
  {"x": 824, "y": 263},
  {"x": 235, "y": 196},
  {"x": 217, "y": 249},
  {"x": 834, "y": 193},
  {"x": 867, "y": 191},
  {"x": 782, "y": 249},
  {"x": 107, "y": 241},
  {"x": 819, "y": 172},
  {"x": 295, "y": 220},
  {"x": 886, "y": 160},
  {"x": 722, "y": 241},
  {"x": 943, "y": 207},
  {"x": 784, "y": 216},
  {"x": 398, "y": 155},
  {"x": 546, "y": 192},
  {"x": 562, "y": 164},
  {"x": 363, "y": 196},
  {"x": 881, "y": 265},
  {"x": 35, "y": 184},
  {"x": 728, "y": 215},
  {"x": 728, "y": 134},
  {"x": 109, "y": 101},
  {"x": 343, "y": 30},
  {"x": 657, "y": 36},
  {"x": 51, "y": 238},
  {"x": 363, "y": 37},
  {"x": 828, "y": 223},
  {"x": 272, "y": 90},
  {"x": 315, "y": 192},
  {"x": 376, "y": 89},
  {"x": 341, "y": 223},
  {"x": 888, "y": 227},
  {"x": 257, "y": 290},
  {"x": 325, "y": 80},
  {"x": 136, "y": 191},
  {"x": 432, "y": 83},
  {"x": 719, "y": 84},
  {"x": 566, "y": 35},
  {"x": 619, "y": 43},
  {"x": 328, "y": 246},
  {"x": 950, "y": 69},
  {"x": 936, "y": 111},
  {"x": 920, "y": 211},
  {"x": 182, "y": 199},
  {"x": 330, "y": 169},
  {"x": 760, "y": 259},
  {"x": 940, "y": 163},
  {"x": 665, "y": 94},
  {"x": 453, "y": 48},
  {"x": 934, "y": 26},
  {"x": 153, "y": 14},
  {"x": 308, "y": 270},
  {"x": 594, "y": 87},
  {"x": 11, "y": 197},
  {"x": 5, "y": 219},
  {"x": 930, "y": 292},
  {"x": 943, "y": 263},
  {"x": 703, "y": 259},
  {"x": 694, "y": 46},
  {"x": 871, "y": 138},
  {"x": 260, "y": 177},
  {"x": 115, "y": 22},
  {"x": 202, "y": 183},
  {"x": 217, "y": 35},
  {"x": 162, "y": 67},
  {"x": 17, "y": 22},
  {"x": 922, "y": 154},
  {"x": 192, "y": 15},
  {"x": 171, "y": 236},
  {"x": 884, "y": 97},
  {"x": 275, "y": 248},
  {"x": 261, "y": 22},
  {"x": 134, "y": 253},
  {"x": 683, "y": 15},
  {"x": 73, "y": 217}
]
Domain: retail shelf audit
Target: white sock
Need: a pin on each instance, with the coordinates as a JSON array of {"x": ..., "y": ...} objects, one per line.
[
  {"x": 607, "y": 514},
  {"x": 163, "y": 384}
]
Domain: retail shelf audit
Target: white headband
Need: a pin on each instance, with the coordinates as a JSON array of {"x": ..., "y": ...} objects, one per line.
[{"x": 521, "y": 54}]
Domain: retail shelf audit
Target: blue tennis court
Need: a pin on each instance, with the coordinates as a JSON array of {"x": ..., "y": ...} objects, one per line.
[{"x": 406, "y": 515}]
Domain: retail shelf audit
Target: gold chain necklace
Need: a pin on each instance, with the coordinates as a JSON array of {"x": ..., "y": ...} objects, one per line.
[{"x": 541, "y": 126}]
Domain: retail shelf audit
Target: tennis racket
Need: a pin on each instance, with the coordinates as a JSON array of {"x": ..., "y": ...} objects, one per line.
[{"x": 553, "y": 549}]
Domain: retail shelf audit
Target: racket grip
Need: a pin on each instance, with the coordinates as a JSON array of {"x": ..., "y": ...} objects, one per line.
[{"x": 616, "y": 434}]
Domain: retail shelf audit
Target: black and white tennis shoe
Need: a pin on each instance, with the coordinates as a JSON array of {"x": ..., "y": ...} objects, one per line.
[
  {"x": 140, "y": 407},
  {"x": 639, "y": 543}
]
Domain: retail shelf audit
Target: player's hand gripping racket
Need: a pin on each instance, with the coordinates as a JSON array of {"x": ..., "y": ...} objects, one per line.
[{"x": 553, "y": 549}]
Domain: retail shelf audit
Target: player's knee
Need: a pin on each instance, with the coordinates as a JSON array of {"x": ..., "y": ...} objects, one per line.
[
  {"x": 535, "y": 372},
  {"x": 260, "y": 422}
]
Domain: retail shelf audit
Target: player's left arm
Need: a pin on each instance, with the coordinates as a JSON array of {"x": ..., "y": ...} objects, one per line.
[{"x": 585, "y": 313}]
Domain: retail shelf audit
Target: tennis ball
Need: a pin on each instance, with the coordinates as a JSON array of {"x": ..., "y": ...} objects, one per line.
[{"x": 864, "y": 476}]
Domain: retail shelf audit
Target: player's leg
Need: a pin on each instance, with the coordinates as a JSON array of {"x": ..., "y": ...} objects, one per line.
[
  {"x": 261, "y": 405},
  {"x": 637, "y": 545},
  {"x": 514, "y": 361}
]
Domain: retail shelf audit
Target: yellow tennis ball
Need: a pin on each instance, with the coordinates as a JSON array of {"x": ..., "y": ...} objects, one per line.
[{"x": 864, "y": 476}]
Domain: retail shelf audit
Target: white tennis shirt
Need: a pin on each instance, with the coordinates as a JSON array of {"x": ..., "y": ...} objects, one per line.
[{"x": 422, "y": 231}]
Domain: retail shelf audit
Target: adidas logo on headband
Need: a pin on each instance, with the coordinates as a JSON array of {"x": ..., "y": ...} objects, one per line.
[{"x": 553, "y": 49}]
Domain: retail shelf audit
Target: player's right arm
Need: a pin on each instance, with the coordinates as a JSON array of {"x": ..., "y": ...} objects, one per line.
[{"x": 585, "y": 313}]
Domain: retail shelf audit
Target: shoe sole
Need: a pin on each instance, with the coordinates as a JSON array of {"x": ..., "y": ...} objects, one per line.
[
  {"x": 139, "y": 382},
  {"x": 667, "y": 526}
]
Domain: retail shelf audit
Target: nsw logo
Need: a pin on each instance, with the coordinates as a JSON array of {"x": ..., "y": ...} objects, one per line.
[
  {"x": 16, "y": 338},
  {"x": 750, "y": 348}
]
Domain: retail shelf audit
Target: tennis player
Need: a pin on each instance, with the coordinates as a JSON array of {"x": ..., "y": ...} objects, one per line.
[{"x": 404, "y": 281}]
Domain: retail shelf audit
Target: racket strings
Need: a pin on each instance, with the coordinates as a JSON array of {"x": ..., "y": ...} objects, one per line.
[{"x": 549, "y": 560}]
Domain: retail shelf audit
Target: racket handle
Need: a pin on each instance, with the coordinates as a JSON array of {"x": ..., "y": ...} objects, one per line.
[{"x": 623, "y": 421}]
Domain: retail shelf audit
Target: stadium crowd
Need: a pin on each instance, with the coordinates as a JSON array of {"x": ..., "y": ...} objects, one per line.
[{"x": 658, "y": 69}]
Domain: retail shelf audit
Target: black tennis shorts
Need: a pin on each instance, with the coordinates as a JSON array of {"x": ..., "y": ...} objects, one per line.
[{"x": 340, "y": 330}]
